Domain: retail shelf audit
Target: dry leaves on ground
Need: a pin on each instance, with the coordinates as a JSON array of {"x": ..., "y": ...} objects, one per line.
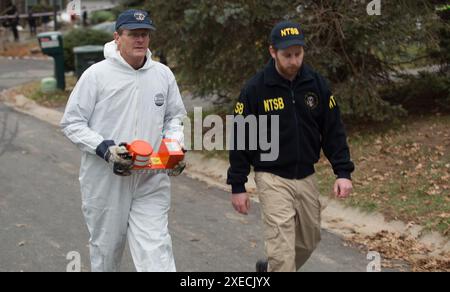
[{"x": 394, "y": 246}]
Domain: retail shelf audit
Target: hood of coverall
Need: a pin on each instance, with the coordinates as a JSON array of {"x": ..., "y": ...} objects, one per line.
[{"x": 112, "y": 53}]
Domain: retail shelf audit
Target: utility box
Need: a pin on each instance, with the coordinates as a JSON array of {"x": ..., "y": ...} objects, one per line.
[
  {"x": 48, "y": 85},
  {"x": 86, "y": 56},
  {"x": 51, "y": 44}
]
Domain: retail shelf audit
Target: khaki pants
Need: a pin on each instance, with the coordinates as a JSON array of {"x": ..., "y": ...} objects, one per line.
[{"x": 290, "y": 212}]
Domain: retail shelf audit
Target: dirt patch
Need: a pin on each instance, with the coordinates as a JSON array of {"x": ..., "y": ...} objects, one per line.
[{"x": 23, "y": 49}]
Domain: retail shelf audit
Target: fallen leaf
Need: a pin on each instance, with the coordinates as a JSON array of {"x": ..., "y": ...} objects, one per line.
[
  {"x": 409, "y": 225},
  {"x": 444, "y": 215}
]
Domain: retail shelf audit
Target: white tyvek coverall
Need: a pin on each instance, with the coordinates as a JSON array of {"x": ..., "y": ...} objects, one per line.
[{"x": 113, "y": 101}]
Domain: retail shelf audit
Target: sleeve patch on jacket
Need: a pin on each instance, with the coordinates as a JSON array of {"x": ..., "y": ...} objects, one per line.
[
  {"x": 333, "y": 103},
  {"x": 239, "y": 109}
]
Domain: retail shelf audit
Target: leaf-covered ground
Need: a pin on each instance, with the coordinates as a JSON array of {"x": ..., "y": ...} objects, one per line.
[
  {"x": 396, "y": 250},
  {"x": 404, "y": 172}
]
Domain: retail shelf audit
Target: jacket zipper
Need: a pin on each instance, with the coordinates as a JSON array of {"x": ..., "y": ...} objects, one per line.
[
  {"x": 137, "y": 107},
  {"x": 296, "y": 126}
]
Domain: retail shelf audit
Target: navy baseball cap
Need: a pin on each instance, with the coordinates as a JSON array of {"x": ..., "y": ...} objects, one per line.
[
  {"x": 134, "y": 19},
  {"x": 286, "y": 34}
]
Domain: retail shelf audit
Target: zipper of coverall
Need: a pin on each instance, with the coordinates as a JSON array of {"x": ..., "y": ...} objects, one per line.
[
  {"x": 135, "y": 178},
  {"x": 136, "y": 110}
]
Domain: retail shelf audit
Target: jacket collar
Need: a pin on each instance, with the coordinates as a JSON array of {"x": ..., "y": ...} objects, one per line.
[
  {"x": 111, "y": 52},
  {"x": 272, "y": 77}
]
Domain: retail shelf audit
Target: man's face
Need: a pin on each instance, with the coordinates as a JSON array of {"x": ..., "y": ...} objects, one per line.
[
  {"x": 133, "y": 44},
  {"x": 288, "y": 60}
]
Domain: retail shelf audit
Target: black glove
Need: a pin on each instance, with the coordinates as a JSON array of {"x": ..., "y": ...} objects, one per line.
[
  {"x": 177, "y": 169},
  {"x": 117, "y": 156}
]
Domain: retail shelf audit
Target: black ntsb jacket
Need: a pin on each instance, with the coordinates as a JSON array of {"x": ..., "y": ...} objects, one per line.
[{"x": 309, "y": 120}]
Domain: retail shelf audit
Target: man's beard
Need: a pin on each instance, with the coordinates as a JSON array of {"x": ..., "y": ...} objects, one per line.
[{"x": 287, "y": 71}]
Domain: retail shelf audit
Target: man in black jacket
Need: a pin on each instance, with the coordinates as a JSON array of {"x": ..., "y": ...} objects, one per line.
[
  {"x": 309, "y": 120},
  {"x": 14, "y": 22}
]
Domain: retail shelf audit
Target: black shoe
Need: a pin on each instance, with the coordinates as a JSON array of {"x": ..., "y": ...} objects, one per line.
[{"x": 261, "y": 266}]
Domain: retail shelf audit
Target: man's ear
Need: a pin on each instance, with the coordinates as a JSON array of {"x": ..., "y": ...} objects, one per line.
[
  {"x": 273, "y": 52},
  {"x": 116, "y": 37}
]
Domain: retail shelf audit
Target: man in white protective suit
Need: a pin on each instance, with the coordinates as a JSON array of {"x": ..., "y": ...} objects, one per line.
[{"x": 126, "y": 97}]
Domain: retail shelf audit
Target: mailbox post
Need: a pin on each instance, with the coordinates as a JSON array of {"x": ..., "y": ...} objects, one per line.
[{"x": 51, "y": 44}]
